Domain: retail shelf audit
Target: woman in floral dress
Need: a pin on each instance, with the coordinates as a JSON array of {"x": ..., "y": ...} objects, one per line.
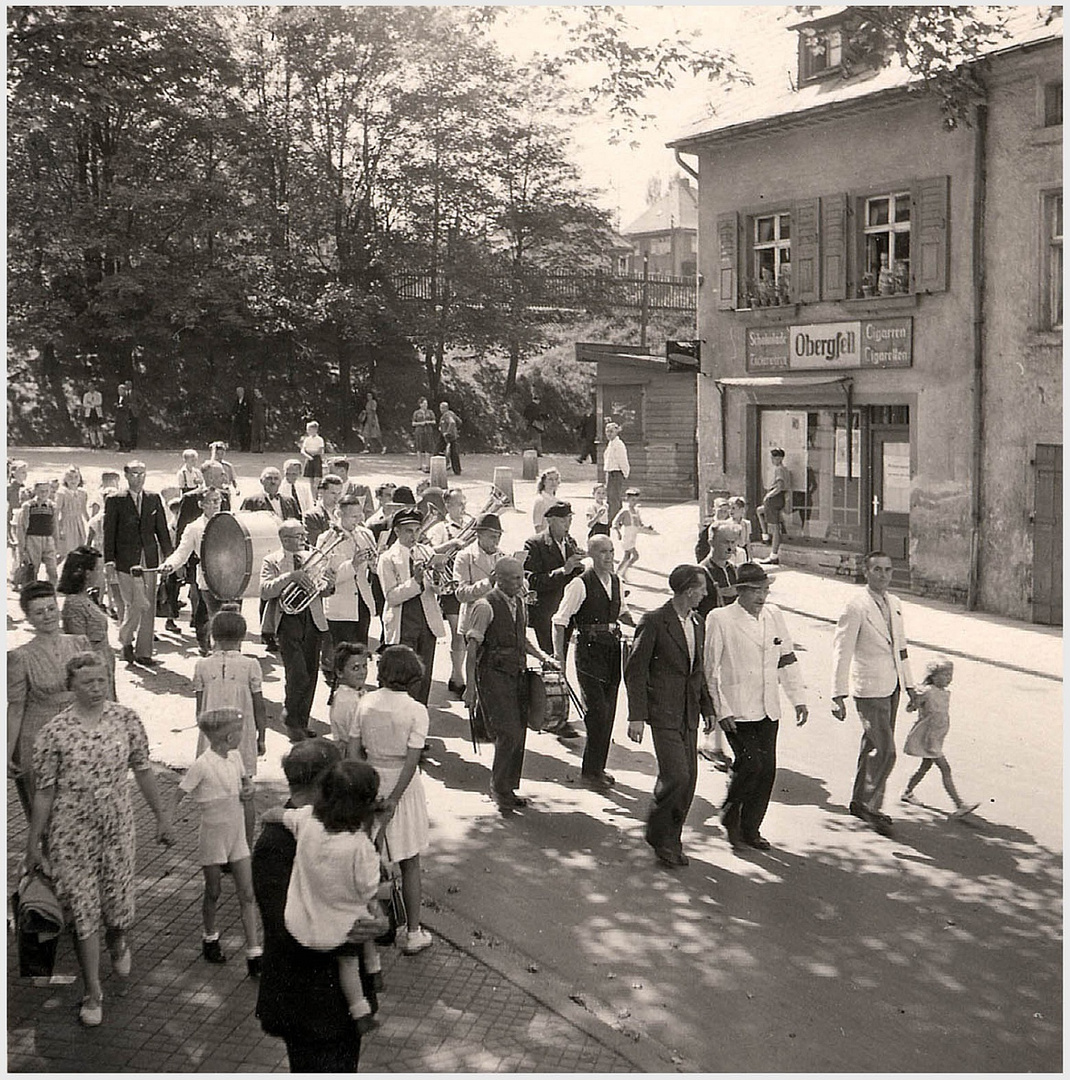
[
  {"x": 82, "y": 806},
  {"x": 36, "y": 682},
  {"x": 72, "y": 513},
  {"x": 81, "y": 613}
]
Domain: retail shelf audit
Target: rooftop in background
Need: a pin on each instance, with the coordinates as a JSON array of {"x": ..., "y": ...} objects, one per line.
[
  {"x": 678, "y": 209},
  {"x": 775, "y": 95}
]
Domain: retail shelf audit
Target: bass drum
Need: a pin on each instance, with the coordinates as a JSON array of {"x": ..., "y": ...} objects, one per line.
[
  {"x": 233, "y": 548},
  {"x": 547, "y": 701}
]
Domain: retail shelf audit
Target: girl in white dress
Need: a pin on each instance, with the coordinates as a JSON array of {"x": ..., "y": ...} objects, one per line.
[
  {"x": 926, "y": 738},
  {"x": 72, "y": 513},
  {"x": 228, "y": 680},
  {"x": 349, "y": 677},
  {"x": 545, "y": 497},
  {"x": 390, "y": 731}
]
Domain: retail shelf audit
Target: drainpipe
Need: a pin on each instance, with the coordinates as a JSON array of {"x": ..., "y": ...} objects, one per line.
[
  {"x": 684, "y": 165},
  {"x": 980, "y": 172}
]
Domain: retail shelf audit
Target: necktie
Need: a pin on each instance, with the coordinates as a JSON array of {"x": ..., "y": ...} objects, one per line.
[
  {"x": 293, "y": 493},
  {"x": 297, "y": 561}
]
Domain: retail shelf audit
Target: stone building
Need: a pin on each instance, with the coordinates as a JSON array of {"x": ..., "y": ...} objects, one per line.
[{"x": 882, "y": 297}]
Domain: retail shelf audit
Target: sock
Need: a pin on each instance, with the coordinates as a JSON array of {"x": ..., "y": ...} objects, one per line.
[
  {"x": 210, "y": 937},
  {"x": 360, "y": 1008},
  {"x": 254, "y": 951}
]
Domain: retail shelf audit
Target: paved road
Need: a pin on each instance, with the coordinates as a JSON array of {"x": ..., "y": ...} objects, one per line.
[{"x": 839, "y": 950}]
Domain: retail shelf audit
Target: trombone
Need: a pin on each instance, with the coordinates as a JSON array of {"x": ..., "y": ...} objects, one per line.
[{"x": 442, "y": 574}]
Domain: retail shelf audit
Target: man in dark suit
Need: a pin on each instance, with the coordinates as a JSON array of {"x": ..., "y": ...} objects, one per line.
[
  {"x": 241, "y": 425},
  {"x": 667, "y": 689},
  {"x": 551, "y": 560},
  {"x": 300, "y": 997},
  {"x": 322, "y": 516},
  {"x": 284, "y": 507},
  {"x": 135, "y": 535}
]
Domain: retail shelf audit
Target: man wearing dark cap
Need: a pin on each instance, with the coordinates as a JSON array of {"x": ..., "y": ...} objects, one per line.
[
  {"x": 667, "y": 690},
  {"x": 748, "y": 657},
  {"x": 411, "y": 615},
  {"x": 551, "y": 560},
  {"x": 300, "y": 998}
]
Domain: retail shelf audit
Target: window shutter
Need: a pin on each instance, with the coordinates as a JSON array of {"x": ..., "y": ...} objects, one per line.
[
  {"x": 804, "y": 251},
  {"x": 834, "y": 247},
  {"x": 929, "y": 252},
  {"x": 728, "y": 247}
]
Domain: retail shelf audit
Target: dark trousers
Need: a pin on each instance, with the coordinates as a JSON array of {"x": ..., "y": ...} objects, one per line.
[
  {"x": 598, "y": 672},
  {"x": 418, "y": 636},
  {"x": 299, "y": 644},
  {"x": 340, "y": 1055},
  {"x": 876, "y": 755},
  {"x": 205, "y": 605},
  {"x": 171, "y": 586},
  {"x": 586, "y": 449},
  {"x": 753, "y": 773},
  {"x": 503, "y": 701},
  {"x": 453, "y": 456},
  {"x": 614, "y": 493},
  {"x": 677, "y": 752},
  {"x": 540, "y": 615}
]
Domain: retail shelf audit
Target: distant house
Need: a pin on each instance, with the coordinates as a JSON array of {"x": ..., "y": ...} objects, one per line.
[{"x": 666, "y": 234}]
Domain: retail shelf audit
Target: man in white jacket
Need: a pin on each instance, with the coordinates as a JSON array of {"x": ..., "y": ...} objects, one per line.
[
  {"x": 748, "y": 657},
  {"x": 870, "y": 647}
]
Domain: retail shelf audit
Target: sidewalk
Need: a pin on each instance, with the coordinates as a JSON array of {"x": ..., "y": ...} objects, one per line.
[{"x": 445, "y": 1010}]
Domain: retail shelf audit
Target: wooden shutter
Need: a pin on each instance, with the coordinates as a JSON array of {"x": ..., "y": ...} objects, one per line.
[
  {"x": 833, "y": 247},
  {"x": 805, "y": 270},
  {"x": 929, "y": 248},
  {"x": 728, "y": 247}
]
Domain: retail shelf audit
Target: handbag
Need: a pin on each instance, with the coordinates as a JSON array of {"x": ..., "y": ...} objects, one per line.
[
  {"x": 389, "y": 894},
  {"x": 39, "y": 921},
  {"x": 24, "y": 574}
]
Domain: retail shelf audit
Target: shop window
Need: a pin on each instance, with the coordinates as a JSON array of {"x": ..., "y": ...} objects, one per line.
[
  {"x": 820, "y": 53},
  {"x": 1053, "y": 104},
  {"x": 1052, "y": 284},
  {"x": 826, "y": 503}
]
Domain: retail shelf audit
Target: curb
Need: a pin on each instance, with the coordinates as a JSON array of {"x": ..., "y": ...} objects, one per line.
[{"x": 593, "y": 1017}]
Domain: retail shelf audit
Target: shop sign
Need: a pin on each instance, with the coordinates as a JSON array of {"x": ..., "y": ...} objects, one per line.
[{"x": 870, "y": 343}]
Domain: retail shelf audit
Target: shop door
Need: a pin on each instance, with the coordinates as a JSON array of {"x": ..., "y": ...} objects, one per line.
[
  {"x": 1048, "y": 536},
  {"x": 890, "y": 462}
]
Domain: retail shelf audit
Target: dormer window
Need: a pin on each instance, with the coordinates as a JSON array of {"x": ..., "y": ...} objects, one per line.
[{"x": 820, "y": 53}]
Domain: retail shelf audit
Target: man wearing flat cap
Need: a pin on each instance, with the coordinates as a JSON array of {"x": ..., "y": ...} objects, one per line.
[
  {"x": 748, "y": 657},
  {"x": 551, "y": 560},
  {"x": 411, "y": 615}
]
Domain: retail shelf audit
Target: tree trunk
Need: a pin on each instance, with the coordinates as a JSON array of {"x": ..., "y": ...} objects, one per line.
[
  {"x": 51, "y": 383},
  {"x": 514, "y": 365},
  {"x": 345, "y": 390}
]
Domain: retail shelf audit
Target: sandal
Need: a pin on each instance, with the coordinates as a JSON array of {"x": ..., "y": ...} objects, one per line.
[{"x": 91, "y": 1014}]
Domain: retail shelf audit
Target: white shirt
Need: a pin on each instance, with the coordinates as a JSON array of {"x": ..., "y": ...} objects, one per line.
[
  {"x": 574, "y": 596},
  {"x": 275, "y": 502},
  {"x": 687, "y": 623},
  {"x": 212, "y": 778},
  {"x": 192, "y": 538},
  {"x": 743, "y": 659},
  {"x": 312, "y": 445},
  {"x": 350, "y": 578},
  {"x": 615, "y": 456}
]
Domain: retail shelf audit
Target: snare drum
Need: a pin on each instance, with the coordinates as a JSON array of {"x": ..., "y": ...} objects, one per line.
[
  {"x": 233, "y": 549},
  {"x": 548, "y": 701}
]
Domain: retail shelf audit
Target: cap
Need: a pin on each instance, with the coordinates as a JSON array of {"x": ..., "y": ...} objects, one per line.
[
  {"x": 489, "y": 523},
  {"x": 409, "y": 516},
  {"x": 559, "y": 509},
  {"x": 750, "y": 574},
  {"x": 432, "y": 496},
  {"x": 632, "y": 493}
]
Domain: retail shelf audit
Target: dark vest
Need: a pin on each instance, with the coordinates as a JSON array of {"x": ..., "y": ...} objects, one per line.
[
  {"x": 597, "y": 607},
  {"x": 504, "y": 644},
  {"x": 41, "y": 520}
]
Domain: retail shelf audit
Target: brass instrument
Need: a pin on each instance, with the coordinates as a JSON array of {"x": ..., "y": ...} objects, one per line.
[
  {"x": 442, "y": 575},
  {"x": 296, "y": 597}
]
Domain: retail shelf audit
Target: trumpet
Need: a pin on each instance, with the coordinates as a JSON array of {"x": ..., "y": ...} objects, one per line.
[{"x": 296, "y": 597}]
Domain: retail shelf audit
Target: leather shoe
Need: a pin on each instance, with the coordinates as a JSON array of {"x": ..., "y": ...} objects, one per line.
[
  {"x": 509, "y": 800},
  {"x": 298, "y": 734},
  {"x": 758, "y": 842},
  {"x": 667, "y": 857},
  {"x": 128, "y": 654},
  {"x": 598, "y": 782},
  {"x": 146, "y": 661},
  {"x": 858, "y": 810},
  {"x": 172, "y": 627},
  {"x": 567, "y": 731}
]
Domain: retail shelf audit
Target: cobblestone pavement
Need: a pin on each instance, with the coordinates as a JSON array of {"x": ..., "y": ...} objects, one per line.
[{"x": 444, "y": 1010}]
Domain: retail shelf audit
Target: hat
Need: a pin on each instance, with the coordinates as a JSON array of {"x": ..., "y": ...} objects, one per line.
[
  {"x": 409, "y": 516},
  {"x": 432, "y": 496},
  {"x": 559, "y": 509},
  {"x": 404, "y": 496},
  {"x": 632, "y": 493},
  {"x": 489, "y": 523},
  {"x": 750, "y": 574}
]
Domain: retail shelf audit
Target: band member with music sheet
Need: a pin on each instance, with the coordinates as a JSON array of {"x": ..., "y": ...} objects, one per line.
[
  {"x": 349, "y": 608},
  {"x": 498, "y": 647},
  {"x": 552, "y": 560},
  {"x": 299, "y": 636},
  {"x": 411, "y": 615},
  {"x": 593, "y": 607}
]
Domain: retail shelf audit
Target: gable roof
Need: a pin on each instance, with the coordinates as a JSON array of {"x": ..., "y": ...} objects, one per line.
[
  {"x": 678, "y": 209},
  {"x": 774, "y": 93}
]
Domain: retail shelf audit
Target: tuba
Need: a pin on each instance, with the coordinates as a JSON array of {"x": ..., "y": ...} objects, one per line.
[
  {"x": 296, "y": 597},
  {"x": 442, "y": 574}
]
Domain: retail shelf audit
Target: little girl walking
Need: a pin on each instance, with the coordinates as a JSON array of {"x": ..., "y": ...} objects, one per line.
[
  {"x": 390, "y": 731},
  {"x": 217, "y": 783},
  {"x": 228, "y": 680},
  {"x": 331, "y": 901},
  {"x": 926, "y": 739}
]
